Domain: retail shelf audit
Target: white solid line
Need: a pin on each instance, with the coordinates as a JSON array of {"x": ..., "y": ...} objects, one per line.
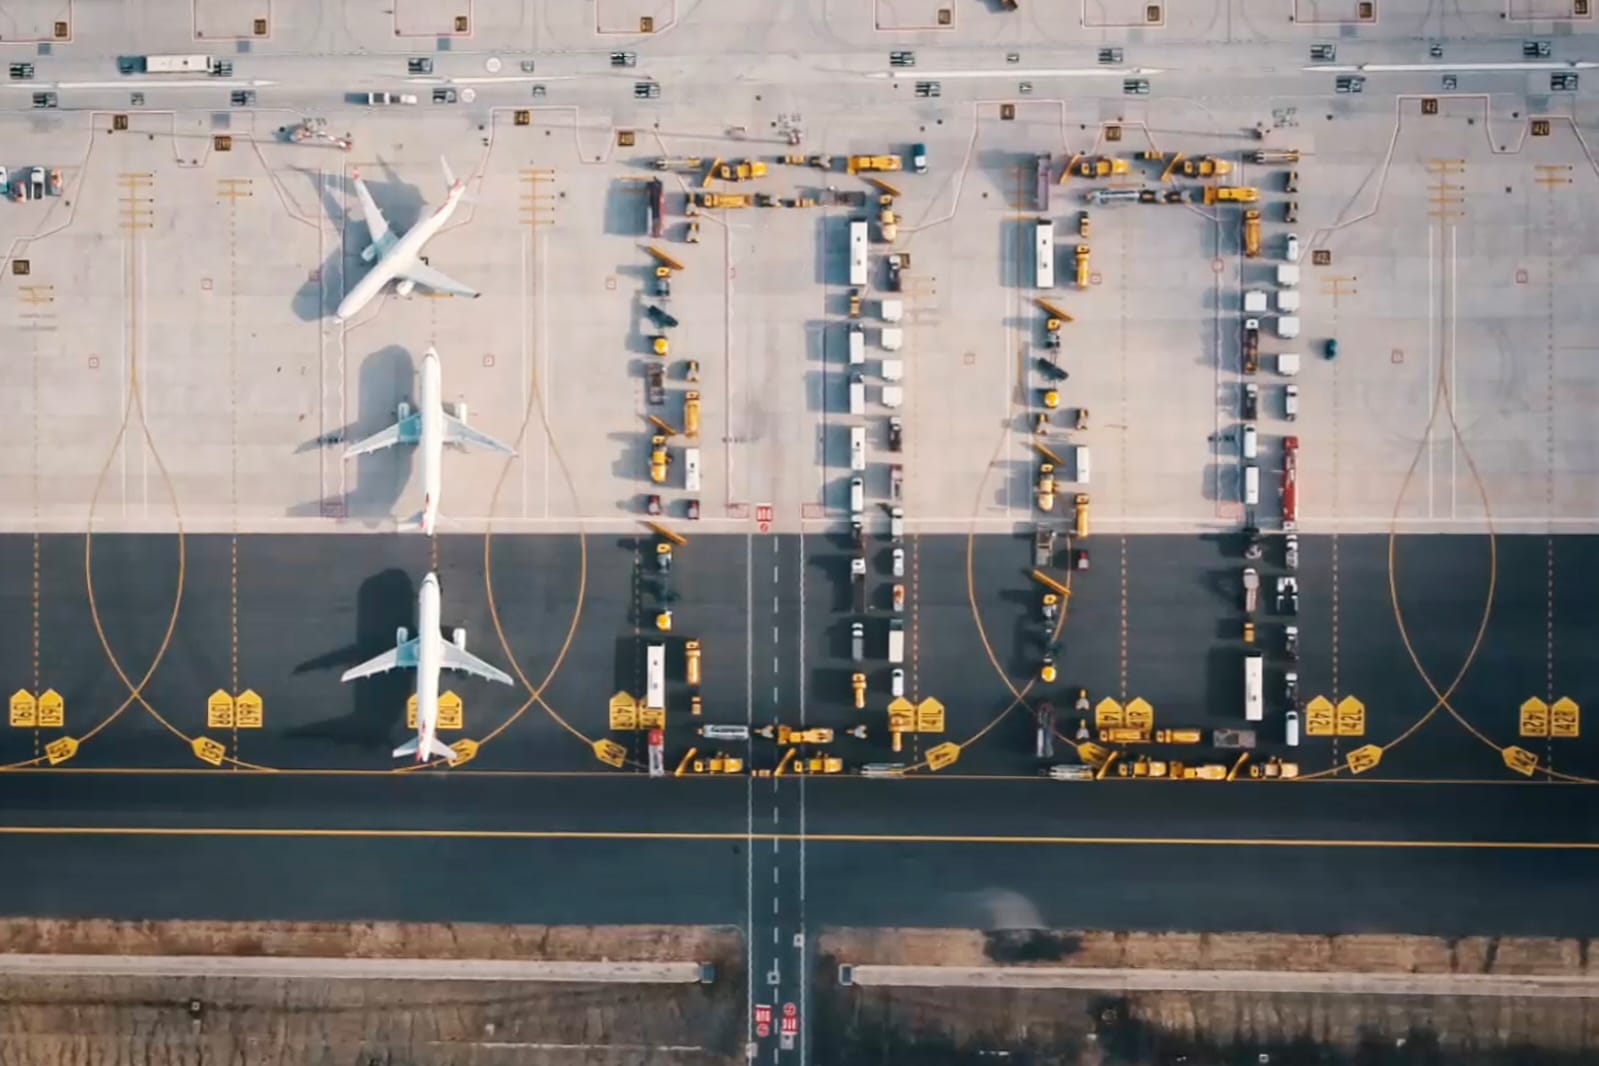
[
  {"x": 1449, "y": 68},
  {"x": 1432, "y": 383},
  {"x": 1012, "y": 72},
  {"x": 141, "y": 83},
  {"x": 1454, "y": 400}
]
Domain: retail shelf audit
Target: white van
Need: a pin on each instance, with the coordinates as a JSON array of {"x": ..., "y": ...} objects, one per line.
[
  {"x": 857, "y": 346},
  {"x": 1082, "y": 464},
  {"x": 1251, "y": 442},
  {"x": 1251, "y": 485},
  {"x": 691, "y": 469},
  {"x": 857, "y": 448},
  {"x": 1291, "y": 729},
  {"x": 857, "y": 395},
  {"x": 1291, "y": 403},
  {"x": 857, "y": 496}
]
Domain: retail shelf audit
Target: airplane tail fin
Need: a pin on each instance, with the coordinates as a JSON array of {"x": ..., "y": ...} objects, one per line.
[{"x": 436, "y": 748}]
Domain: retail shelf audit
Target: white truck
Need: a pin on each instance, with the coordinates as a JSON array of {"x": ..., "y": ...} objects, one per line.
[{"x": 896, "y": 641}]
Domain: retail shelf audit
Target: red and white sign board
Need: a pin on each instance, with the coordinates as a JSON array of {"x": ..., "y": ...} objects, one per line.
[
  {"x": 763, "y": 1014},
  {"x": 763, "y": 516},
  {"x": 790, "y": 1024}
]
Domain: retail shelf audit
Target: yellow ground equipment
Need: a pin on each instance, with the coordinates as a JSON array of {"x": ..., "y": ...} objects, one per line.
[
  {"x": 691, "y": 414},
  {"x": 663, "y": 621},
  {"x": 1051, "y": 398},
  {"x": 857, "y": 684},
  {"x": 1171, "y": 167},
  {"x": 710, "y": 174},
  {"x": 743, "y": 170},
  {"x": 1207, "y": 167},
  {"x": 1082, "y": 266},
  {"x": 819, "y": 764},
  {"x": 1231, "y": 194},
  {"x": 721, "y": 199},
  {"x": 659, "y": 459},
  {"x": 883, "y": 187},
  {"x": 1046, "y": 671},
  {"x": 861, "y": 163},
  {"x": 1252, "y": 233},
  {"x": 1082, "y": 225},
  {"x": 1081, "y": 528},
  {"x": 661, "y": 346},
  {"x": 1046, "y": 486},
  {"x": 662, "y": 258},
  {"x": 692, "y": 653},
  {"x": 819, "y": 735},
  {"x": 855, "y": 303},
  {"x": 1052, "y": 311},
  {"x": 719, "y": 764},
  {"x": 1178, "y": 736},
  {"x": 1101, "y": 167}
]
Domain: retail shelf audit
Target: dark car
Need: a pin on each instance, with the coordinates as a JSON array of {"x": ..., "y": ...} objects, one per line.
[{"x": 1251, "y": 402}]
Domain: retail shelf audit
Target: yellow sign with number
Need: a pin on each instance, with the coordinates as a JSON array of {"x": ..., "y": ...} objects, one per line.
[
  {"x": 623, "y": 712},
  {"x": 1319, "y": 718},
  {"x": 652, "y": 717},
  {"x": 208, "y": 750},
  {"x": 901, "y": 716},
  {"x": 60, "y": 750},
  {"x": 943, "y": 755},
  {"x": 1351, "y": 717},
  {"x": 219, "y": 711},
  {"x": 610, "y": 752},
  {"x": 929, "y": 716},
  {"x": 1140, "y": 715},
  {"x": 452, "y": 712},
  {"x": 1108, "y": 714},
  {"x": 24, "y": 710},
  {"x": 1520, "y": 760},
  {"x": 1564, "y": 717},
  {"x": 465, "y": 751},
  {"x": 249, "y": 711},
  {"x": 410, "y": 711},
  {"x": 1362, "y": 759},
  {"x": 52, "y": 710},
  {"x": 1534, "y": 718}
]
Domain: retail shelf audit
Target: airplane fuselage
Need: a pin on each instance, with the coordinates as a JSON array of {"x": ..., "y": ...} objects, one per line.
[
  {"x": 405, "y": 251},
  {"x": 428, "y": 664},
  {"x": 431, "y": 442}
]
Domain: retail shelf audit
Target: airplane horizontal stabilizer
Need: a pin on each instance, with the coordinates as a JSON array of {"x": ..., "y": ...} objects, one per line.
[
  {"x": 456, "y": 658},
  {"x": 458, "y": 432}
]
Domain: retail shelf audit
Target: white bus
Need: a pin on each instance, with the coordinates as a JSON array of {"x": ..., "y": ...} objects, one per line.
[
  {"x": 1044, "y": 253},
  {"x": 1254, "y": 709},
  {"x": 655, "y": 677},
  {"x": 857, "y": 252}
]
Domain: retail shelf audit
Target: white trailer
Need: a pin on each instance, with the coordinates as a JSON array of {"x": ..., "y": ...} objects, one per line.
[
  {"x": 857, "y": 252},
  {"x": 192, "y": 64},
  {"x": 1044, "y": 253}
]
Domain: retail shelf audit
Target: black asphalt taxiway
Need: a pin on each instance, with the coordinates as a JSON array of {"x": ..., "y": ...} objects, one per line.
[{"x": 1442, "y": 639}]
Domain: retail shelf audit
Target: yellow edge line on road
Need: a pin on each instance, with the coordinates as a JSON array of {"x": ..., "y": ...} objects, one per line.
[{"x": 809, "y": 838}]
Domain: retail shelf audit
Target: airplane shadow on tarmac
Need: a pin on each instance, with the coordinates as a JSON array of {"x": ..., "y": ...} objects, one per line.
[
  {"x": 385, "y": 601},
  {"x": 378, "y": 479}
]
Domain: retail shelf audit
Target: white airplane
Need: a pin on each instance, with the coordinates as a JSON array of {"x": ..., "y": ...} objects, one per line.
[
  {"x": 432, "y": 427},
  {"x": 401, "y": 257},
  {"x": 428, "y": 653}
]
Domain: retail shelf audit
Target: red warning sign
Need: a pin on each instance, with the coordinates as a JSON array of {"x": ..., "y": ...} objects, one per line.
[{"x": 789, "y": 1010}]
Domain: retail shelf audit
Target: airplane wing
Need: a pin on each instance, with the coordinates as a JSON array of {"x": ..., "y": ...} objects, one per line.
[
  {"x": 397, "y": 657},
  {"x": 376, "y": 224},
  {"x": 458, "y": 432},
  {"x": 456, "y": 658},
  {"x": 405, "y": 431},
  {"x": 436, "y": 280}
]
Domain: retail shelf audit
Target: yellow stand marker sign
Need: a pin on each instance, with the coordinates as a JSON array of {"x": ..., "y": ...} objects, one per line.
[
  {"x": 610, "y": 752},
  {"x": 1564, "y": 717},
  {"x": 1140, "y": 715},
  {"x": 623, "y": 713},
  {"x": 24, "y": 710},
  {"x": 219, "y": 711},
  {"x": 249, "y": 712},
  {"x": 1520, "y": 760},
  {"x": 207, "y": 750},
  {"x": 1351, "y": 717},
  {"x": 901, "y": 716},
  {"x": 1319, "y": 718},
  {"x": 52, "y": 710},
  {"x": 930, "y": 716},
  {"x": 943, "y": 755},
  {"x": 60, "y": 750},
  {"x": 1108, "y": 714},
  {"x": 1534, "y": 718},
  {"x": 652, "y": 717},
  {"x": 465, "y": 751},
  {"x": 1362, "y": 759}
]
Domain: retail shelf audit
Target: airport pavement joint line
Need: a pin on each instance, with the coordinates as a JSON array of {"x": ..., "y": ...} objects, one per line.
[
  {"x": 878, "y": 839},
  {"x": 351, "y": 969},
  {"x": 1486, "y": 985}
]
